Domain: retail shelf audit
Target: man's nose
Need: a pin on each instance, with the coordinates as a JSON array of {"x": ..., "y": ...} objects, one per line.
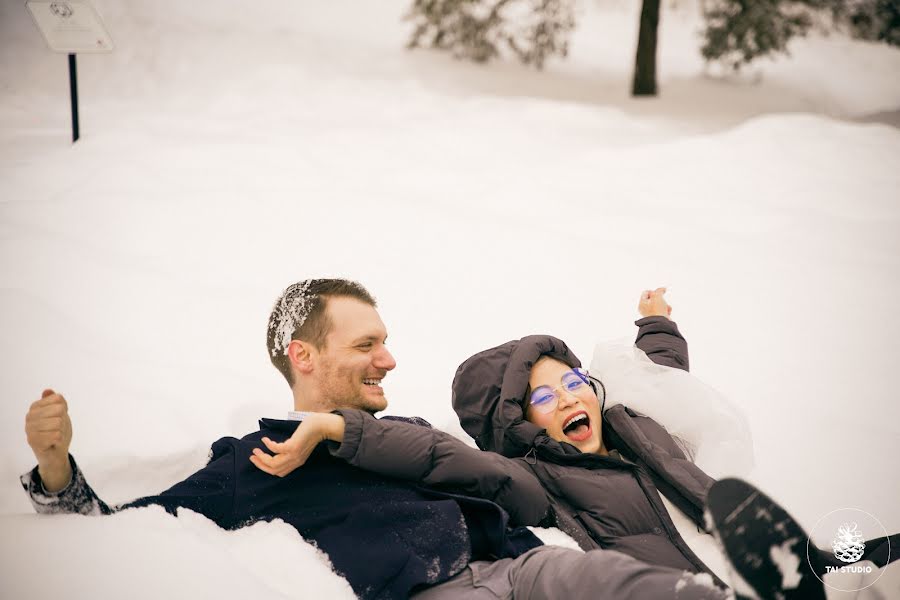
[{"x": 385, "y": 360}]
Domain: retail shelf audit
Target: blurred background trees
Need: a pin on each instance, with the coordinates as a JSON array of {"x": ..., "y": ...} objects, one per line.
[
  {"x": 875, "y": 20},
  {"x": 478, "y": 30},
  {"x": 740, "y": 31},
  {"x": 736, "y": 32}
]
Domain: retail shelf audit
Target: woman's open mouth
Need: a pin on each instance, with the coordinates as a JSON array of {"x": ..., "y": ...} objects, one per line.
[{"x": 577, "y": 427}]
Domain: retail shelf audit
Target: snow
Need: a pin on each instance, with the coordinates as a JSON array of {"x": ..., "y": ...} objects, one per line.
[
  {"x": 712, "y": 431},
  {"x": 698, "y": 579},
  {"x": 555, "y": 537},
  {"x": 787, "y": 563},
  {"x": 146, "y": 553},
  {"x": 228, "y": 152},
  {"x": 289, "y": 314}
]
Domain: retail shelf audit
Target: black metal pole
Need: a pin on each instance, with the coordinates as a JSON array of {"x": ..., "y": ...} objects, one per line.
[{"x": 73, "y": 92}]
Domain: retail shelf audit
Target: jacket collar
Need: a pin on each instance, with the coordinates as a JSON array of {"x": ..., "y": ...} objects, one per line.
[{"x": 280, "y": 425}]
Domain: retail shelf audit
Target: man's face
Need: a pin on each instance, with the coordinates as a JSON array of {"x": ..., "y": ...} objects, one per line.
[
  {"x": 576, "y": 417},
  {"x": 354, "y": 359}
]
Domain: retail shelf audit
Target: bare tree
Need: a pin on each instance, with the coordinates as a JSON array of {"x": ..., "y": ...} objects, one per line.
[{"x": 644, "y": 83}]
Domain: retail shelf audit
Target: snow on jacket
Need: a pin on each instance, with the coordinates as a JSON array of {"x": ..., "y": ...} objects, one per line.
[
  {"x": 358, "y": 501},
  {"x": 602, "y": 502}
]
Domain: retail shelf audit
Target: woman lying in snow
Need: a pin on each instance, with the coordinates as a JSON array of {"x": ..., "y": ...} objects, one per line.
[{"x": 619, "y": 480}]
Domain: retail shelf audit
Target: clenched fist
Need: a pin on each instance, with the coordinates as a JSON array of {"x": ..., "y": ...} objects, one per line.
[
  {"x": 653, "y": 303},
  {"x": 49, "y": 433}
]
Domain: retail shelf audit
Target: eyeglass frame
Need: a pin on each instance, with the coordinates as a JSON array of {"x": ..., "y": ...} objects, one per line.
[{"x": 595, "y": 384}]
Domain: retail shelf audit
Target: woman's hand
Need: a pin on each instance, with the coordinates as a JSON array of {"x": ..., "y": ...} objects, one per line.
[
  {"x": 293, "y": 452},
  {"x": 653, "y": 304}
]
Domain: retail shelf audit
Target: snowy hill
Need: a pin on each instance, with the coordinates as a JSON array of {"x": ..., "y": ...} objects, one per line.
[{"x": 230, "y": 149}]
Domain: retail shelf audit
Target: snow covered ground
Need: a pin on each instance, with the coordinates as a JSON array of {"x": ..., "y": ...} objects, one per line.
[{"x": 230, "y": 149}]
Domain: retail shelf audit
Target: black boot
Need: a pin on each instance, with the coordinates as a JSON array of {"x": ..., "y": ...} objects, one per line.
[{"x": 765, "y": 545}]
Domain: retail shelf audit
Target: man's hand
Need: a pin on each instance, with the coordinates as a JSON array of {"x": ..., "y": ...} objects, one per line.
[
  {"x": 292, "y": 453},
  {"x": 653, "y": 303},
  {"x": 49, "y": 433}
]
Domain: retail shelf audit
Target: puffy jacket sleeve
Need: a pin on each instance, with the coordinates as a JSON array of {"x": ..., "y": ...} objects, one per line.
[
  {"x": 209, "y": 491},
  {"x": 437, "y": 459},
  {"x": 660, "y": 339}
]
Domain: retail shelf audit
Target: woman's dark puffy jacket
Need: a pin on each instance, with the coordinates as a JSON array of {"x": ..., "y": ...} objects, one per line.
[{"x": 602, "y": 502}]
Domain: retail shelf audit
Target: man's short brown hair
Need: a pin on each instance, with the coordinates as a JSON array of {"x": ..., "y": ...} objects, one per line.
[{"x": 299, "y": 314}]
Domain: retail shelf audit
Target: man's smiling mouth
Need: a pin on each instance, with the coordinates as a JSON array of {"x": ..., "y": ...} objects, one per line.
[{"x": 372, "y": 382}]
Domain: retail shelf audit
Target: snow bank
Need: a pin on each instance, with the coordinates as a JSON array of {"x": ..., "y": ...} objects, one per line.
[
  {"x": 713, "y": 431},
  {"x": 149, "y": 554}
]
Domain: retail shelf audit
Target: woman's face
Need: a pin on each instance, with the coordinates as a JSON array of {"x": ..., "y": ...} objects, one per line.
[{"x": 576, "y": 417}]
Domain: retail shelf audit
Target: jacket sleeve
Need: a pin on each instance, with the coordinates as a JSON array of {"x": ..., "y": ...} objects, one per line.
[
  {"x": 77, "y": 497},
  {"x": 437, "y": 459},
  {"x": 660, "y": 339},
  {"x": 209, "y": 491}
]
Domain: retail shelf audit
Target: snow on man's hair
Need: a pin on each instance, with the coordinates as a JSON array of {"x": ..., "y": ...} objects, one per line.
[
  {"x": 288, "y": 316},
  {"x": 299, "y": 314}
]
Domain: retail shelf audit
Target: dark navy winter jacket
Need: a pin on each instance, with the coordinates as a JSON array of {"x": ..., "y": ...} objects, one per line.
[{"x": 385, "y": 535}]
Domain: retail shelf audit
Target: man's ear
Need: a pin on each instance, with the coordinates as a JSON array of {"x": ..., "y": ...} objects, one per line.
[{"x": 301, "y": 354}]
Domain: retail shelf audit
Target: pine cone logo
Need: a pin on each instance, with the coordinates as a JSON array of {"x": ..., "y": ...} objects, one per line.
[{"x": 848, "y": 544}]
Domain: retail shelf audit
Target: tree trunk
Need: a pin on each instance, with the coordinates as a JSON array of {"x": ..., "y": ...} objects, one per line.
[{"x": 645, "y": 62}]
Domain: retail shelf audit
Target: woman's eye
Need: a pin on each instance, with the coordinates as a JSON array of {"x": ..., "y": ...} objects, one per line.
[{"x": 541, "y": 399}]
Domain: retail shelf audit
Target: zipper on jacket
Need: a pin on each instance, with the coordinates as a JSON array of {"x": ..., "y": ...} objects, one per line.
[{"x": 588, "y": 530}]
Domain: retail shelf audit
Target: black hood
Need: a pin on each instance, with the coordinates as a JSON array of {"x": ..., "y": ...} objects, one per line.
[{"x": 488, "y": 392}]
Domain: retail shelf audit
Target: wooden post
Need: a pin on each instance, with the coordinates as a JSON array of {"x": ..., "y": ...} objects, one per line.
[{"x": 73, "y": 92}]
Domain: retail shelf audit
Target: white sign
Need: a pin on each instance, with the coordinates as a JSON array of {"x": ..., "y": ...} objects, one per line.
[{"x": 70, "y": 27}]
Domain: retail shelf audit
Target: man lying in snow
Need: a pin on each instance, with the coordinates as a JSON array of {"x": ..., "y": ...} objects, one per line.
[{"x": 390, "y": 527}]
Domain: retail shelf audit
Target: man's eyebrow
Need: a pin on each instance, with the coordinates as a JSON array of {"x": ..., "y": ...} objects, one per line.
[{"x": 369, "y": 338}]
